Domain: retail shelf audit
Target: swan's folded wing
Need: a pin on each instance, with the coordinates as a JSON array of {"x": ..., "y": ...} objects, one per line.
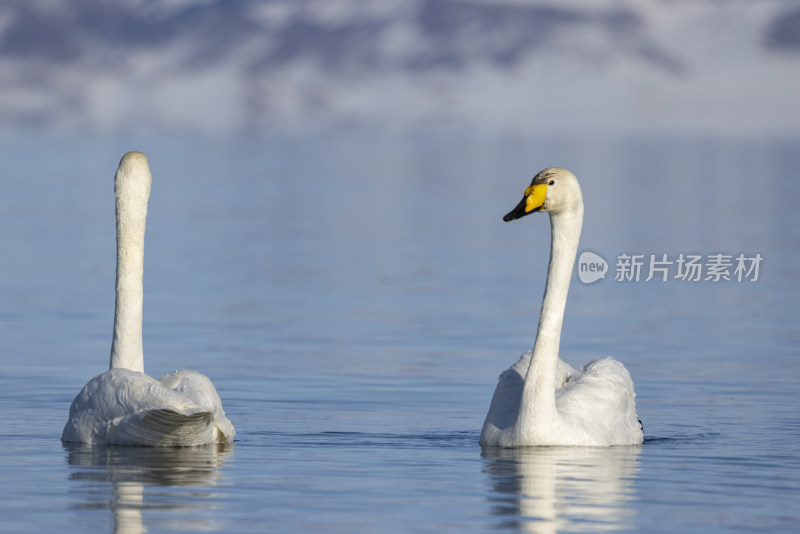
[
  {"x": 504, "y": 408},
  {"x": 162, "y": 428},
  {"x": 198, "y": 389},
  {"x": 600, "y": 397}
]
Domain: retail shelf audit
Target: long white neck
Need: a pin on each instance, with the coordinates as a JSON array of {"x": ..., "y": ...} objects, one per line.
[
  {"x": 565, "y": 228},
  {"x": 132, "y": 190}
]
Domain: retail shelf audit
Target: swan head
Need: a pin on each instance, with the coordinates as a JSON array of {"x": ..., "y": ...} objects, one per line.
[
  {"x": 553, "y": 190},
  {"x": 133, "y": 179}
]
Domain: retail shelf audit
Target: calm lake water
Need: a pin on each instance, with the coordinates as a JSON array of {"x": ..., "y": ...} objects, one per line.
[{"x": 354, "y": 299}]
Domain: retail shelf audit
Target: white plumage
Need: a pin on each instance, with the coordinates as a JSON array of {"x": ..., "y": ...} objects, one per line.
[
  {"x": 540, "y": 400},
  {"x": 124, "y": 406}
]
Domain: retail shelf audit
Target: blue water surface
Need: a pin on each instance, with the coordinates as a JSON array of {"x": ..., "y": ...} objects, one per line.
[{"x": 354, "y": 297}]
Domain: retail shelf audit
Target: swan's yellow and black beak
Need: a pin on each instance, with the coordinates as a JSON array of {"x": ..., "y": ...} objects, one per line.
[{"x": 533, "y": 201}]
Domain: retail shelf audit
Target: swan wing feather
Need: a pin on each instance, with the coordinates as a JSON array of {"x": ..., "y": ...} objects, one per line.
[
  {"x": 599, "y": 400},
  {"x": 161, "y": 428}
]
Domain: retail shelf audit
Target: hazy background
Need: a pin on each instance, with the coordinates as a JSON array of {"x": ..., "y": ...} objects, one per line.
[{"x": 508, "y": 67}]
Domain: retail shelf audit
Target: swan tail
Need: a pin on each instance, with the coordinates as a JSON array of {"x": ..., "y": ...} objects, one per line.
[{"x": 163, "y": 428}]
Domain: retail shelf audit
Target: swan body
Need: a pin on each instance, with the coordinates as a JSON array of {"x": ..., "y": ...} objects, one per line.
[
  {"x": 124, "y": 406},
  {"x": 540, "y": 400}
]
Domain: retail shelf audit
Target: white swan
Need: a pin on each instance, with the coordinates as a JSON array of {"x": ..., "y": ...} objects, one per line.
[
  {"x": 541, "y": 400},
  {"x": 124, "y": 406}
]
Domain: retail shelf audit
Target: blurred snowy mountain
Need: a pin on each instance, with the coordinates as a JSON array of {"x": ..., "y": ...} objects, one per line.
[{"x": 505, "y": 66}]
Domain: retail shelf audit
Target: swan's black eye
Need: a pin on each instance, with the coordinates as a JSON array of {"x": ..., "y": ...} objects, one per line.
[{"x": 552, "y": 182}]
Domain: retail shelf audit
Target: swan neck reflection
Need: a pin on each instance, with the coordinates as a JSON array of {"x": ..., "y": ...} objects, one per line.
[
  {"x": 119, "y": 478},
  {"x": 551, "y": 489}
]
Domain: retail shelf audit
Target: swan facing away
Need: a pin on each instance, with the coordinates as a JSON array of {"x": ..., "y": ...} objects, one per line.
[
  {"x": 540, "y": 400},
  {"x": 124, "y": 406}
]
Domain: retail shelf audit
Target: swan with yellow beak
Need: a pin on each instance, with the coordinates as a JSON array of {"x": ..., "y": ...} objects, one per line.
[{"x": 540, "y": 400}]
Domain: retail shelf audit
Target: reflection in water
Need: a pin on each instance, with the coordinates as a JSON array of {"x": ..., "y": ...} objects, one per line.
[
  {"x": 115, "y": 478},
  {"x": 550, "y": 489}
]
